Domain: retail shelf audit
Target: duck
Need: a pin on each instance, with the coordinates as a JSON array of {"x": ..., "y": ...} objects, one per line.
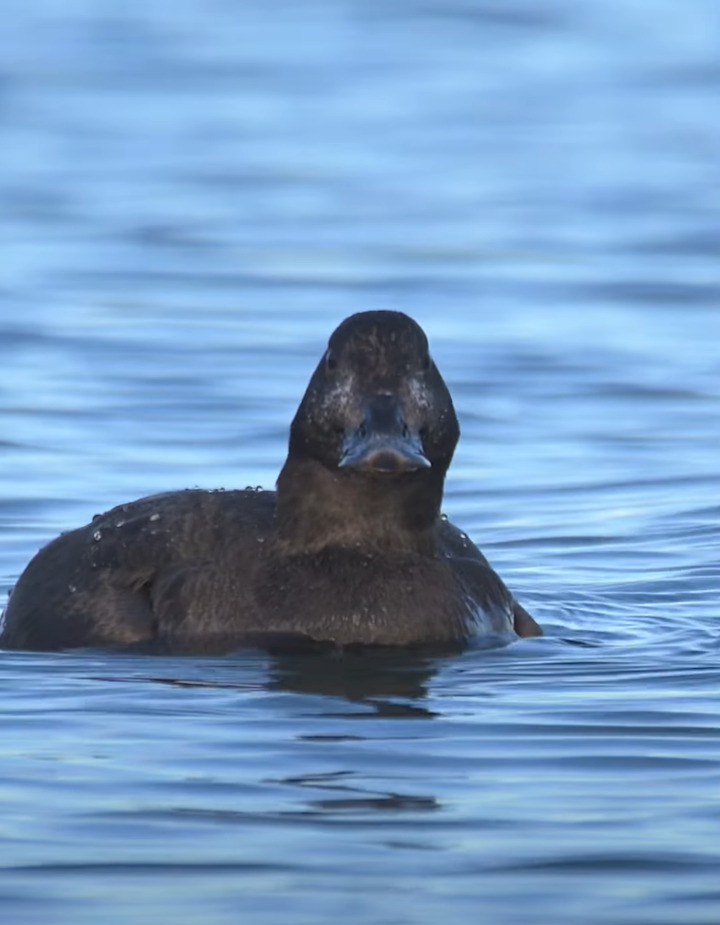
[{"x": 350, "y": 550}]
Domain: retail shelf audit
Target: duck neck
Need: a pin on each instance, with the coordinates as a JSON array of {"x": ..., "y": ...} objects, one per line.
[{"x": 320, "y": 508}]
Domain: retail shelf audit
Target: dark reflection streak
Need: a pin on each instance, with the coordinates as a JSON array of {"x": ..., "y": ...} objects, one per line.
[
  {"x": 364, "y": 677},
  {"x": 618, "y": 863},
  {"x": 386, "y": 710},
  {"x": 175, "y": 682},
  {"x": 380, "y": 801},
  {"x": 359, "y": 677},
  {"x": 392, "y": 802},
  {"x": 330, "y": 738}
]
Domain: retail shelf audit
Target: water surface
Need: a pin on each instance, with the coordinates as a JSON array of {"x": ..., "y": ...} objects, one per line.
[{"x": 192, "y": 195}]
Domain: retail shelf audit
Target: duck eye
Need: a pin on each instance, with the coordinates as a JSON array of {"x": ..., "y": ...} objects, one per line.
[{"x": 330, "y": 361}]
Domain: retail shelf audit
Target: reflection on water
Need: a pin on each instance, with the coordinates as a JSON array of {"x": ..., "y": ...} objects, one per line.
[
  {"x": 366, "y": 679},
  {"x": 193, "y": 195}
]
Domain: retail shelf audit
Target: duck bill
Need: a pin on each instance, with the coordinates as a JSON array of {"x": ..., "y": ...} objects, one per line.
[{"x": 383, "y": 444}]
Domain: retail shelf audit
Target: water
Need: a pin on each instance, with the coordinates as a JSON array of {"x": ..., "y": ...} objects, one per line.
[{"x": 192, "y": 196}]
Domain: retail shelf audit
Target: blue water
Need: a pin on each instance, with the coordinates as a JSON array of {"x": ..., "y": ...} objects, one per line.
[{"x": 192, "y": 195}]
